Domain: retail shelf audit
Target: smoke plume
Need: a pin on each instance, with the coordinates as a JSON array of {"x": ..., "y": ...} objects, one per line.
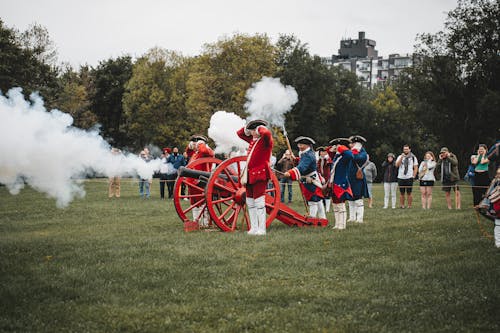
[
  {"x": 268, "y": 99},
  {"x": 223, "y": 127},
  {"x": 44, "y": 150}
]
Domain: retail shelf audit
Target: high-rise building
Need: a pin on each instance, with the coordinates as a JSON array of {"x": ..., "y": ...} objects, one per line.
[{"x": 360, "y": 57}]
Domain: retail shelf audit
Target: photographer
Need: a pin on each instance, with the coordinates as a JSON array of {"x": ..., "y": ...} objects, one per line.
[
  {"x": 447, "y": 166},
  {"x": 481, "y": 177}
]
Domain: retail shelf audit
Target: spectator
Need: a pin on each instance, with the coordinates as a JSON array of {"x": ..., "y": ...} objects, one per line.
[
  {"x": 114, "y": 181},
  {"x": 145, "y": 184},
  {"x": 370, "y": 170},
  {"x": 165, "y": 168},
  {"x": 447, "y": 166},
  {"x": 481, "y": 178},
  {"x": 286, "y": 163},
  {"x": 407, "y": 164},
  {"x": 469, "y": 175},
  {"x": 177, "y": 161},
  {"x": 427, "y": 179},
  {"x": 390, "y": 180}
]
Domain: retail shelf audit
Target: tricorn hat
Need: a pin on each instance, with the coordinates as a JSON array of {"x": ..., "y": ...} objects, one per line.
[
  {"x": 357, "y": 138},
  {"x": 305, "y": 140},
  {"x": 198, "y": 137},
  {"x": 339, "y": 141},
  {"x": 321, "y": 148},
  {"x": 255, "y": 123}
]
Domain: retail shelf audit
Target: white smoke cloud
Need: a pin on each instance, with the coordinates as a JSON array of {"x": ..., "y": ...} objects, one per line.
[
  {"x": 268, "y": 99},
  {"x": 223, "y": 127},
  {"x": 42, "y": 149}
]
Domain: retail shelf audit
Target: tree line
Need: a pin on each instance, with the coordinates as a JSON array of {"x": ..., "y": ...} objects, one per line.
[{"x": 450, "y": 97}]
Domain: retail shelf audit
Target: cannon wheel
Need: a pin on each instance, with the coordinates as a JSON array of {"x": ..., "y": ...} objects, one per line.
[
  {"x": 184, "y": 207},
  {"x": 225, "y": 196}
]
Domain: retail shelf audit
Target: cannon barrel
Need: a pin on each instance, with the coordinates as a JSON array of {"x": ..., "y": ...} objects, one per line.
[
  {"x": 192, "y": 173},
  {"x": 198, "y": 174}
]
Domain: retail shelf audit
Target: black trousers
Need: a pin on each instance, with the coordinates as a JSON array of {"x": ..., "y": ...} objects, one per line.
[
  {"x": 163, "y": 181},
  {"x": 170, "y": 184},
  {"x": 482, "y": 180}
]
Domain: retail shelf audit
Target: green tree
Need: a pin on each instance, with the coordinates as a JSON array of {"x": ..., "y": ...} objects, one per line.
[
  {"x": 221, "y": 75},
  {"x": 23, "y": 65},
  {"x": 149, "y": 113},
  {"x": 107, "y": 90},
  {"x": 455, "y": 88},
  {"x": 73, "y": 97}
]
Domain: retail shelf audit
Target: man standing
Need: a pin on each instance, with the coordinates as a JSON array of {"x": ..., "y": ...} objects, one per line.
[
  {"x": 447, "y": 167},
  {"x": 357, "y": 179},
  {"x": 286, "y": 163},
  {"x": 145, "y": 184},
  {"x": 370, "y": 170},
  {"x": 177, "y": 161},
  {"x": 339, "y": 180},
  {"x": 407, "y": 165},
  {"x": 257, "y": 172},
  {"x": 310, "y": 181},
  {"x": 114, "y": 181},
  {"x": 165, "y": 168}
]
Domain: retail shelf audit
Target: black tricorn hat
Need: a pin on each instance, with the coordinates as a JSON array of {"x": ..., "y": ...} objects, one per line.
[
  {"x": 357, "y": 138},
  {"x": 255, "y": 123},
  {"x": 339, "y": 141},
  {"x": 198, "y": 137},
  {"x": 321, "y": 148},
  {"x": 305, "y": 140}
]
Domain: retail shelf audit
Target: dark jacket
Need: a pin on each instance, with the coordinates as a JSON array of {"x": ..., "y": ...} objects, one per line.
[{"x": 390, "y": 172}]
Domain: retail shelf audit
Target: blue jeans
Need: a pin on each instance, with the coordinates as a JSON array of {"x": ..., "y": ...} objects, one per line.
[
  {"x": 284, "y": 182},
  {"x": 144, "y": 183}
]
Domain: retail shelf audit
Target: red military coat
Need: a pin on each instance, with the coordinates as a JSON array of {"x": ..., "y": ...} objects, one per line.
[{"x": 260, "y": 153}]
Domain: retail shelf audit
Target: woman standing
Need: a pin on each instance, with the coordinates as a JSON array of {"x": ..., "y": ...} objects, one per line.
[
  {"x": 481, "y": 178},
  {"x": 427, "y": 179},
  {"x": 390, "y": 180}
]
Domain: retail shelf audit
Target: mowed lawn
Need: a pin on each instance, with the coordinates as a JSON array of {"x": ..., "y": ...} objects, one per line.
[{"x": 126, "y": 265}]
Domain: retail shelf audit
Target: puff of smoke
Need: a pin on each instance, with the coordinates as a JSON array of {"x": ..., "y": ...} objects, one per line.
[
  {"x": 223, "y": 128},
  {"x": 42, "y": 149},
  {"x": 268, "y": 99}
]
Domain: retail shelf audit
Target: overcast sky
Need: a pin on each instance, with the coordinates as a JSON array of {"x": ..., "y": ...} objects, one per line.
[{"x": 88, "y": 31}]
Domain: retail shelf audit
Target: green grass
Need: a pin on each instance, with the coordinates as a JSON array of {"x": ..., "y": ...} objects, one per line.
[{"x": 125, "y": 265}]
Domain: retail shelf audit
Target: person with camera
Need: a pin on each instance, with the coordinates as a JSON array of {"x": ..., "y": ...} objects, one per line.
[
  {"x": 481, "y": 177},
  {"x": 407, "y": 165},
  {"x": 427, "y": 178},
  {"x": 286, "y": 162},
  {"x": 447, "y": 167}
]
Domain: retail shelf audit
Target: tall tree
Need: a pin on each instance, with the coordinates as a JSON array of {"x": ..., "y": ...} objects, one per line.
[
  {"x": 22, "y": 65},
  {"x": 147, "y": 102},
  {"x": 221, "y": 75},
  {"x": 455, "y": 88},
  {"x": 107, "y": 90},
  {"x": 73, "y": 97}
]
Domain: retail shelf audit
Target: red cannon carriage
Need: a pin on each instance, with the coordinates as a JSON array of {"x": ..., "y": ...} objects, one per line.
[{"x": 218, "y": 197}]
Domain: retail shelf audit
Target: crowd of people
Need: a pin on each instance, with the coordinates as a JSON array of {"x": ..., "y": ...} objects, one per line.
[{"x": 329, "y": 176}]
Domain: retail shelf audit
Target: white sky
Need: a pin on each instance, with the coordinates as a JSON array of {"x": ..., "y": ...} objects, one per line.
[{"x": 88, "y": 31}]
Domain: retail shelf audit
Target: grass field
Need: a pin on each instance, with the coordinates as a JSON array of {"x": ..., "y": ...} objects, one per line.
[{"x": 125, "y": 265}]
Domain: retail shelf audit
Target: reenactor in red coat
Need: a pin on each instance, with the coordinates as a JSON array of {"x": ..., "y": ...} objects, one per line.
[{"x": 257, "y": 172}]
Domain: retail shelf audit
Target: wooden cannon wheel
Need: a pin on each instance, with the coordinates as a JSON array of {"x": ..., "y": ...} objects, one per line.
[
  {"x": 194, "y": 195},
  {"x": 225, "y": 196}
]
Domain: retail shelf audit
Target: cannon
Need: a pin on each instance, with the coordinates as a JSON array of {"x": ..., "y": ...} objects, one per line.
[{"x": 214, "y": 191}]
